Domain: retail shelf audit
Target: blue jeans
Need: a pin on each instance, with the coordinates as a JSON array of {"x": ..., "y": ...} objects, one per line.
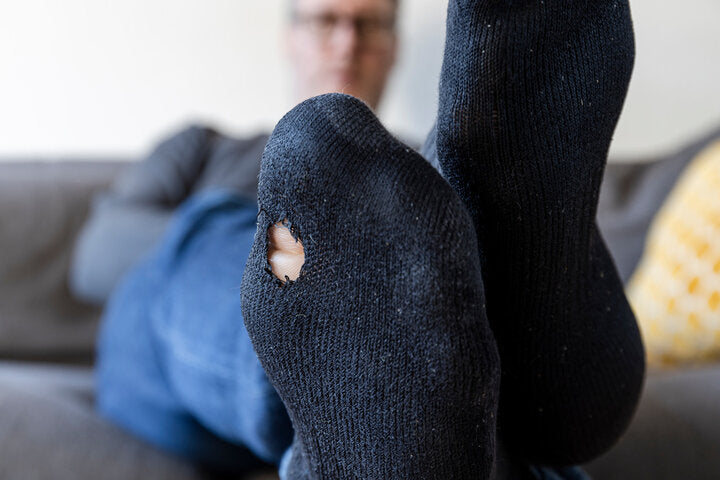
[
  {"x": 567, "y": 473},
  {"x": 175, "y": 364}
]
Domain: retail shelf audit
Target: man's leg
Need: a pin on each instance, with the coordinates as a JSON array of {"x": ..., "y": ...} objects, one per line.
[
  {"x": 175, "y": 364},
  {"x": 380, "y": 349},
  {"x": 530, "y": 94}
]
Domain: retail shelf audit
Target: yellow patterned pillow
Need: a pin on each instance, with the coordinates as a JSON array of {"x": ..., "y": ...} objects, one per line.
[{"x": 675, "y": 291}]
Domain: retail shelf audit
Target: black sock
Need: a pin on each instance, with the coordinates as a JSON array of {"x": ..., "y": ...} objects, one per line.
[
  {"x": 380, "y": 349},
  {"x": 530, "y": 94}
]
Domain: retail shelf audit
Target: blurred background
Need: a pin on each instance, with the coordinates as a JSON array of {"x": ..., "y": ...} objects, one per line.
[{"x": 108, "y": 78}]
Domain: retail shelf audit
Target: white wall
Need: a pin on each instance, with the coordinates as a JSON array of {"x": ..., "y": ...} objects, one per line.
[
  {"x": 97, "y": 77},
  {"x": 675, "y": 92}
]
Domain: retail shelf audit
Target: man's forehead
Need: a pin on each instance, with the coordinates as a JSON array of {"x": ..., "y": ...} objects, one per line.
[{"x": 345, "y": 5}]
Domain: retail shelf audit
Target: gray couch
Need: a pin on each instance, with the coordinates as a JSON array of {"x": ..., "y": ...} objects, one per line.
[{"x": 48, "y": 428}]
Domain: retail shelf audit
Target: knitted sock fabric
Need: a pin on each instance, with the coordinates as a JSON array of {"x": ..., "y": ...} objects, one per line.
[
  {"x": 530, "y": 94},
  {"x": 380, "y": 350}
]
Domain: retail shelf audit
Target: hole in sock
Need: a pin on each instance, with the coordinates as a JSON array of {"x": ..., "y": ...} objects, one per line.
[{"x": 285, "y": 252}]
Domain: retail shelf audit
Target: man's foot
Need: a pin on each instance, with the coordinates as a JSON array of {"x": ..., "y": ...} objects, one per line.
[
  {"x": 380, "y": 349},
  {"x": 530, "y": 94}
]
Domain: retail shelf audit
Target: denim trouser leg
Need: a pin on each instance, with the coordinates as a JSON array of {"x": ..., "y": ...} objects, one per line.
[
  {"x": 175, "y": 363},
  {"x": 566, "y": 473}
]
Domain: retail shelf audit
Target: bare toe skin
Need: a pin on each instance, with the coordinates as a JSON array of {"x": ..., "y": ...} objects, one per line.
[{"x": 285, "y": 253}]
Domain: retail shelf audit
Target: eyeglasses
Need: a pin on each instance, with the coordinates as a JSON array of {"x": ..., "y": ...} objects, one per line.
[{"x": 372, "y": 31}]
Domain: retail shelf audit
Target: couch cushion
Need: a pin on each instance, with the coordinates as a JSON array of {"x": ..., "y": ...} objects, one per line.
[
  {"x": 631, "y": 195},
  {"x": 49, "y": 429},
  {"x": 675, "y": 291},
  {"x": 42, "y": 207},
  {"x": 675, "y": 433}
]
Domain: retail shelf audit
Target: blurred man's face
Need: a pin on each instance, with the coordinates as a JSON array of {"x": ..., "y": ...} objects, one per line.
[{"x": 343, "y": 46}]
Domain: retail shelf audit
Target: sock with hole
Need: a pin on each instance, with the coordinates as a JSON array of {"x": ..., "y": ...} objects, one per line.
[
  {"x": 530, "y": 94},
  {"x": 380, "y": 349}
]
